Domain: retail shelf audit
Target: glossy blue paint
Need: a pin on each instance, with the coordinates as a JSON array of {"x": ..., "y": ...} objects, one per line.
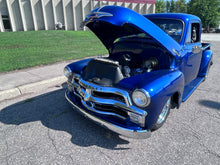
[
  {"x": 181, "y": 66},
  {"x": 189, "y": 88},
  {"x": 191, "y": 62},
  {"x": 118, "y": 22},
  {"x": 78, "y": 66},
  {"x": 206, "y": 60}
]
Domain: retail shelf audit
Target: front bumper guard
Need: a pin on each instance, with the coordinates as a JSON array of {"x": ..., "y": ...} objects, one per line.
[{"x": 136, "y": 134}]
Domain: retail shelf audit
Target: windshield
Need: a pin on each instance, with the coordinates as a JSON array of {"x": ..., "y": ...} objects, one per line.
[{"x": 172, "y": 27}]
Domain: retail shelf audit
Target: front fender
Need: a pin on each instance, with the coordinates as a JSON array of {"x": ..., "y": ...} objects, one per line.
[
  {"x": 160, "y": 85},
  {"x": 206, "y": 59},
  {"x": 78, "y": 66},
  {"x": 160, "y": 91}
]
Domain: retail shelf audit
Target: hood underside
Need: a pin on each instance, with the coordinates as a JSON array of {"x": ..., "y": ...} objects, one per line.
[{"x": 112, "y": 22}]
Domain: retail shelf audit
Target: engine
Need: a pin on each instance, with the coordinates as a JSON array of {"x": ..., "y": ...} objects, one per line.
[
  {"x": 108, "y": 72},
  {"x": 130, "y": 70}
]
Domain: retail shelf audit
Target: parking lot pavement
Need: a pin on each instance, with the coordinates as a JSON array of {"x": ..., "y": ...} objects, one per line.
[
  {"x": 42, "y": 128},
  {"x": 211, "y": 37}
]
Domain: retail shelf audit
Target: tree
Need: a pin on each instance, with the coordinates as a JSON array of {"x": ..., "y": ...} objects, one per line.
[
  {"x": 160, "y": 6},
  {"x": 168, "y": 7},
  {"x": 206, "y": 10},
  {"x": 172, "y": 6},
  {"x": 181, "y": 6}
]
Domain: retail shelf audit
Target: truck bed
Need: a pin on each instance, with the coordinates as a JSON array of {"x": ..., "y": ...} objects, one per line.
[{"x": 206, "y": 46}]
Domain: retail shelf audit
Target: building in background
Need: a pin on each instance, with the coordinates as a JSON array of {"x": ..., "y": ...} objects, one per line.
[{"x": 24, "y": 15}]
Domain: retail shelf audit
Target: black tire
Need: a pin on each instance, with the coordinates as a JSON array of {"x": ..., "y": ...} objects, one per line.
[
  {"x": 207, "y": 72},
  {"x": 163, "y": 115}
]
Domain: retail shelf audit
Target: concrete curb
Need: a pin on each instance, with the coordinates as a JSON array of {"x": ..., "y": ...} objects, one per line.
[{"x": 31, "y": 88}]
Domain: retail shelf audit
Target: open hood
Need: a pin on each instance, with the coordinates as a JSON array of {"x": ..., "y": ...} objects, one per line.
[{"x": 112, "y": 22}]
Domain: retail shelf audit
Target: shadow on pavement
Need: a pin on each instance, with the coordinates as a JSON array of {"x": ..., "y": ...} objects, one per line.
[
  {"x": 210, "y": 104},
  {"x": 56, "y": 113}
]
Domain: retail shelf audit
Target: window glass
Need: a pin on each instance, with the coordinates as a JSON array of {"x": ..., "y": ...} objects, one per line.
[
  {"x": 195, "y": 33},
  {"x": 6, "y": 22},
  {"x": 173, "y": 28}
]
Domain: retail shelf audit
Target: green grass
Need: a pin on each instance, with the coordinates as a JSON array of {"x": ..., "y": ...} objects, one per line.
[{"x": 19, "y": 50}]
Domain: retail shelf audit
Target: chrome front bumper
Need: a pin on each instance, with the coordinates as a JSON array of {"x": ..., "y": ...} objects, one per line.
[{"x": 138, "y": 134}]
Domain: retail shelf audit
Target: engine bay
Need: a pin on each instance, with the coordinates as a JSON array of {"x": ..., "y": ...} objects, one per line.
[
  {"x": 127, "y": 57},
  {"x": 108, "y": 72}
]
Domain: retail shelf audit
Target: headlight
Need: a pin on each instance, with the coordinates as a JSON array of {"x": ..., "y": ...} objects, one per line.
[
  {"x": 67, "y": 72},
  {"x": 141, "y": 97}
]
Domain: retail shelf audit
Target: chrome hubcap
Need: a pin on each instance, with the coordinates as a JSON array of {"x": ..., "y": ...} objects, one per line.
[{"x": 164, "y": 112}]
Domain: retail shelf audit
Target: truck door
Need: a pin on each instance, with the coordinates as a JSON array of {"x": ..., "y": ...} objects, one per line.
[{"x": 194, "y": 52}]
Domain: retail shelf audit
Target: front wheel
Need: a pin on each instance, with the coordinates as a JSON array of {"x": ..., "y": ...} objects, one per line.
[{"x": 163, "y": 115}]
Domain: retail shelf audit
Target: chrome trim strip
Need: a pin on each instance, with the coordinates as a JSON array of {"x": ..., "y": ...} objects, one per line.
[
  {"x": 76, "y": 75},
  {"x": 137, "y": 134},
  {"x": 94, "y": 15}
]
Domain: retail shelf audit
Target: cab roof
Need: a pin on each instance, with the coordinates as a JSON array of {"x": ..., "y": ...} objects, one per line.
[{"x": 181, "y": 16}]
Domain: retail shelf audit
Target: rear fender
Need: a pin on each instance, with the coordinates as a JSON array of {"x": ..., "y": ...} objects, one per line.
[{"x": 206, "y": 60}]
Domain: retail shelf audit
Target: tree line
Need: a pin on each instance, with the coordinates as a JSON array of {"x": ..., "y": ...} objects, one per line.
[{"x": 207, "y": 10}]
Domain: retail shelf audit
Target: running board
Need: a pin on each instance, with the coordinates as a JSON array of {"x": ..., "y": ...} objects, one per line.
[{"x": 189, "y": 88}]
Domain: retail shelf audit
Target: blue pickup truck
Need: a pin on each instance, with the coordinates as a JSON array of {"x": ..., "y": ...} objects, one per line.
[{"x": 155, "y": 62}]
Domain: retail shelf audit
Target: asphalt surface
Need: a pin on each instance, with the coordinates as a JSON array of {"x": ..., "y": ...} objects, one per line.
[
  {"x": 42, "y": 128},
  {"x": 211, "y": 37}
]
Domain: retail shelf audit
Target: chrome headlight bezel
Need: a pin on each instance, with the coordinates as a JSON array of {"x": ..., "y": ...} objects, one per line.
[
  {"x": 141, "y": 97},
  {"x": 67, "y": 72}
]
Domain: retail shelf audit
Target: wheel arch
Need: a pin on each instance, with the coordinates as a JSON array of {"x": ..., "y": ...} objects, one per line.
[{"x": 176, "y": 100}]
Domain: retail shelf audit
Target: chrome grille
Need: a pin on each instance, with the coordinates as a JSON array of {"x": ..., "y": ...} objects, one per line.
[
  {"x": 107, "y": 101},
  {"x": 110, "y": 93}
]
